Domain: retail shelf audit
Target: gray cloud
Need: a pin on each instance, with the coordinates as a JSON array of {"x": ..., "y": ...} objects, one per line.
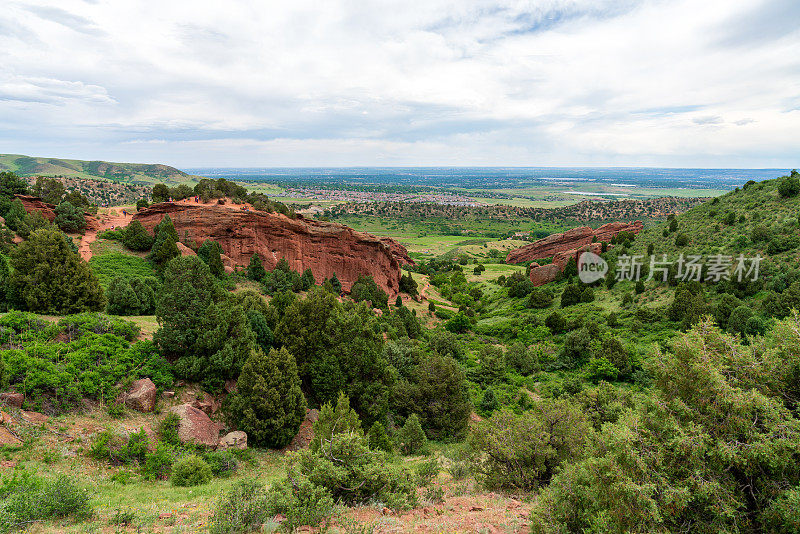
[{"x": 67, "y": 19}]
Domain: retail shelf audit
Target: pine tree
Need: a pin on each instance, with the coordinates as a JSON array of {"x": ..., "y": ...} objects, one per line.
[
  {"x": 268, "y": 405},
  {"x": 378, "y": 438},
  {"x": 215, "y": 263},
  {"x": 336, "y": 420},
  {"x": 135, "y": 237},
  {"x": 336, "y": 284},
  {"x": 165, "y": 245},
  {"x": 255, "y": 270},
  {"x": 50, "y": 277},
  {"x": 411, "y": 438}
]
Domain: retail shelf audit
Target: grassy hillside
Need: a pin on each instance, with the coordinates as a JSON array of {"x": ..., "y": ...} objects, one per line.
[
  {"x": 753, "y": 220},
  {"x": 118, "y": 172}
]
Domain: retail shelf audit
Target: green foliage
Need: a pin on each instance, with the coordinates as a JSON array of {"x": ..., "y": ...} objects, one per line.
[
  {"x": 261, "y": 330},
  {"x": 49, "y": 277},
  {"x": 268, "y": 404},
  {"x": 459, "y": 324},
  {"x": 338, "y": 349},
  {"x": 255, "y": 269},
  {"x": 240, "y": 509},
  {"x": 540, "y": 298},
  {"x": 135, "y": 237},
  {"x": 158, "y": 464},
  {"x": 211, "y": 253},
  {"x": 789, "y": 186},
  {"x": 301, "y": 503},
  {"x": 119, "y": 450},
  {"x": 69, "y": 218},
  {"x": 525, "y": 451},
  {"x": 690, "y": 454},
  {"x": 165, "y": 243},
  {"x": 334, "y": 420},
  {"x": 571, "y": 295},
  {"x": 26, "y": 498},
  {"x": 109, "y": 266},
  {"x": 206, "y": 332},
  {"x": 408, "y": 284},
  {"x": 168, "y": 429},
  {"x": 122, "y": 299},
  {"x": 348, "y": 470},
  {"x": 190, "y": 471},
  {"x": 410, "y": 437},
  {"x": 378, "y": 439},
  {"x": 365, "y": 289}
]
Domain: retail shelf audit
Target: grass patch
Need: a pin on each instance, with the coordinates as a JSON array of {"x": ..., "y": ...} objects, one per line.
[{"x": 109, "y": 266}]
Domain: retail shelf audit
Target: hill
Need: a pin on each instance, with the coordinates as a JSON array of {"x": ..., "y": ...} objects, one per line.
[{"x": 118, "y": 172}]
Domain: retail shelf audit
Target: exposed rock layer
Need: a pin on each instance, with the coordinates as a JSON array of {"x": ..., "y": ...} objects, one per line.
[
  {"x": 325, "y": 248},
  {"x": 562, "y": 247}
]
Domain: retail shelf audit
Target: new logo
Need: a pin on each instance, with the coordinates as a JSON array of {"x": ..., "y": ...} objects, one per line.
[{"x": 591, "y": 267}]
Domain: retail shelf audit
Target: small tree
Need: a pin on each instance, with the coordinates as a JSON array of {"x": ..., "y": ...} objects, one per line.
[
  {"x": 378, "y": 438},
  {"x": 341, "y": 419},
  {"x": 411, "y": 438},
  {"x": 336, "y": 284},
  {"x": 268, "y": 404},
  {"x": 255, "y": 270},
  {"x": 69, "y": 218},
  {"x": 50, "y": 277},
  {"x": 122, "y": 299},
  {"x": 135, "y": 237}
]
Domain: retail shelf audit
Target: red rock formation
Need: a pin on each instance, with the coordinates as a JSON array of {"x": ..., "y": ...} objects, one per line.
[
  {"x": 32, "y": 204},
  {"x": 37, "y": 204},
  {"x": 570, "y": 240},
  {"x": 547, "y": 273},
  {"x": 325, "y": 248}
]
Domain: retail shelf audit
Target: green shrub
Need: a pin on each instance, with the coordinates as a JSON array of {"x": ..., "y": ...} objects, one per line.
[
  {"x": 302, "y": 503},
  {"x": 427, "y": 471},
  {"x": 115, "y": 264},
  {"x": 25, "y": 499},
  {"x": 168, "y": 429},
  {"x": 242, "y": 508},
  {"x": 378, "y": 438},
  {"x": 222, "y": 463},
  {"x": 334, "y": 420},
  {"x": 69, "y": 218},
  {"x": 411, "y": 438},
  {"x": 135, "y": 237},
  {"x": 525, "y": 451},
  {"x": 190, "y": 471},
  {"x": 268, "y": 403},
  {"x": 158, "y": 464}
]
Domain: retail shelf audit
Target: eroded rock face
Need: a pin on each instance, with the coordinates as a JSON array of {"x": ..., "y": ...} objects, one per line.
[
  {"x": 570, "y": 240},
  {"x": 32, "y": 204},
  {"x": 196, "y": 426},
  {"x": 142, "y": 396},
  {"x": 12, "y": 399},
  {"x": 548, "y": 273},
  {"x": 325, "y": 248}
]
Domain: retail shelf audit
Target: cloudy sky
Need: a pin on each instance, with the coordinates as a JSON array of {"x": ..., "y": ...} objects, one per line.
[{"x": 707, "y": 83}]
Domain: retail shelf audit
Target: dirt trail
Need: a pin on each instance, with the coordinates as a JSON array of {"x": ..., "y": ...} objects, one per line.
[{"x": 107, "y": 219}]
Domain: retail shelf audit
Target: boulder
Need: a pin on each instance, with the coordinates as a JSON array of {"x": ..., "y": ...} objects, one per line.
[
  {"x": 233, "y": 440},
  {"x": 195, "y": 426},
  {"x": 184, "y": 250},
  {"x": 12, "y": 399},
  {"x": 142, "y": 396},
  {"x": 324, "y": 247}
]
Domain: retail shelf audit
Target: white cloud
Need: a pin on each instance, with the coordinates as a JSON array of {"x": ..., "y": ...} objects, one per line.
[{"x": 414, "y": 82}]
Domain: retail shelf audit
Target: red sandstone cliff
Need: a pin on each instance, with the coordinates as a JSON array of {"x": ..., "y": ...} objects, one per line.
[
  {"x": 325, "y": 248},
  {"x": 570, "y": 240},
  {"x": 562, "y": 247}
]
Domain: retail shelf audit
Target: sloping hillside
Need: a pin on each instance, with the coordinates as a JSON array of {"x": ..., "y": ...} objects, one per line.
[
  {"x": 750, "y": 220},
  {"x": 118, "y": 172}
]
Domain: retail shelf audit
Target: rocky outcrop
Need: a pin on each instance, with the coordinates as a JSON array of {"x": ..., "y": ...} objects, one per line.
[
  {"x": 305, "y": 434},
  {"x": 12, "y": 399},
  {"x": 196, "y": 426},
  {"x": 32, "y": 204},
  {"x": 324, "y": 247},
  {"x": 570, "y": 240},
  {"x": 233, "y": 440},
  {"x": 37, "y": 204},
  {"x": 548, "y": 273},
  {"x": 141, "y": 396}
]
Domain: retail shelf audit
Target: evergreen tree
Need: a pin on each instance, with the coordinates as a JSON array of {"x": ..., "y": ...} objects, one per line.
[
  {"x": 145, "y": 290},
  {"x": 261, "y": 330},
  {"x": 398, "y": 302},
  {"x": 411, "y": 438},
  {"x": 135, "y": 237},
  {"x": 215, "y": 264},
  {"x": 69, "y": 218},
  {"x": 378, "y": 439},
  {"x": 336, "y": 284},
  {"x": 206, "y": 332},
  {"x": 489, "y": 402},
  {"x": 268, "y": 404},
  {"x": 334, "y": 420},
  {"x": 160, "y": 193},
  {"x": 16, "y": 214},
  {"x": 165, "y": 244},
  {"x": 255, "y": 270},
  {"x": 5, "y": 273},
  {"x": 49, "y": 276},
  {"x": 307, "y": 281},
  {"x": 122, "y": 299}
]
